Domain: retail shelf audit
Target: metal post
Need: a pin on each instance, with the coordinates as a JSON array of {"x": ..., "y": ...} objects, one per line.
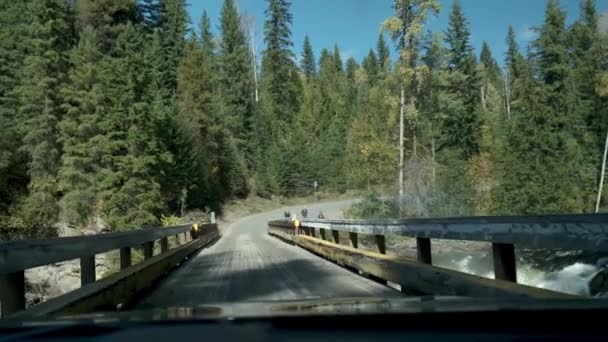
[
  {"x": 148, "y": 249},
  {"x": 125, "y": 257},
  {"x": 12, "y": 292},
  {"x": 164, "y": 245},
  {"x": 504, "y": 261},
  {"x": 354, "y": 239},
  {"x": 423, "y": 249},
  {"x": 87, "y": 270}
]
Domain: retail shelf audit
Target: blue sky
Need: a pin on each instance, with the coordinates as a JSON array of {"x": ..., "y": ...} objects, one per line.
[{"x": 355, "y": 24}]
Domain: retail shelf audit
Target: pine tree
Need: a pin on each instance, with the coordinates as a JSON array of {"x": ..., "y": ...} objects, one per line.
[
  {"x": 351, "y": 69},
  {"x": 337, "y": 59},
  {"x": 43, "y": 73},
  {"x": 461, "y": 129},
  {"x": 587, "y": 64},
  {"x": 371, "y": 67},
  {"x": 174, "y": 26},
  {"x": 107, "y": 17},
  {"x": 512, "y": 55},
  {"x": 81, "y": 134},
  {"x": 235, "y": 79},
  {"x": 207, "y": 40},
  {"x": 307, "y": 62},
  {"x": 131, "y": 193},
  {"x": 491, "y": 68},
  {"x": 281, "y": 86},
  {"x": 546, "y": 145},
  {"x": 384, "y": 54},
  {"x": 150, "y": 14},
  {"x": 15, "y": 18}
]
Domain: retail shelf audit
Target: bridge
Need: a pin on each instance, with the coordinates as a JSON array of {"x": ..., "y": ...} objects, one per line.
[{"x": 260, "y": 258}]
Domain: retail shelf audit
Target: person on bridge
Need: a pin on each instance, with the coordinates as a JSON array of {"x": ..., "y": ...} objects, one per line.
[
  {"x": 287, "y": 214},
  {"x": 321, "y": 216},
  {"x": 304, "y": 213}
]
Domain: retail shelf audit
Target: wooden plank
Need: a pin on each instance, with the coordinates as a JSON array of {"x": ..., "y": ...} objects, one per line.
[
  {"x": 336, "y": 236},
  {"x": 381, "y": 243},
  {"x": 119, "y": 288},
  {"x": 148, "y": 249},
  {"x": 423, "y": 278},
  {"x": 354, "y": 240},
  {"x": 423, "y": 250},
  {"x": 12, "y": 292},
  {"x": 87, "y": 270},
  {"x": 164, "y": 244},
  {"x": 504, "y": 262},
  {"x": 24, "y": 254},
  {"x": 574, "y": 232},
  {"x": 125, "y": 257}
]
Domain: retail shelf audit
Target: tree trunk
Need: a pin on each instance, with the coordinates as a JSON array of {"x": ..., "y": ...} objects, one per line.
[
  {"x": 507, "y": 95},
  {"x": 433, "y": 172},
  {"x": 401, "y": 152},
  {"x": 601, "y": 186}
]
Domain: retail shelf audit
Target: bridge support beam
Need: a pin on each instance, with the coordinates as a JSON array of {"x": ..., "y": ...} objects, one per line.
[
  {"x": 313, "y": 232},
  {"x": 323, "y": 234},
  {"x": 87, "y": 270},
  {"x": 504, "y": 261},
  {"x": 336, "y": 236},
  {"x": 12, "y": 292},
  {"x": 164, "y": 245},
  {"x": 148, "y": 250},
  {"x": 381, "y": 243},
  {"x": 125, "y": 257},
  {"x": 354, "y": 239},
  {"x": 423, "y": 250}
]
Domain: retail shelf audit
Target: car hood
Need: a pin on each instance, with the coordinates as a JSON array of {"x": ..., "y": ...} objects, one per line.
[{"x": 321, "y": 307}]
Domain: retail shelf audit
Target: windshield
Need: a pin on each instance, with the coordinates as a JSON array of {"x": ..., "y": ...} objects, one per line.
[{"x": 241, "y": 135}]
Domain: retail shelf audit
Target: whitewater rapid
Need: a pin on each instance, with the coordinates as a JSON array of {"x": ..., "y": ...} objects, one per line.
[{"x": 573, "y": 279}]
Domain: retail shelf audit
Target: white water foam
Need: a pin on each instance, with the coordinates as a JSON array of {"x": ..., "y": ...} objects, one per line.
[{"x": 573, "y": 279}]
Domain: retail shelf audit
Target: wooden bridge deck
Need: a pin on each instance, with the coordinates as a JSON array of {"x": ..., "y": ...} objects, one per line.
[{"x": 246, "y": 264}]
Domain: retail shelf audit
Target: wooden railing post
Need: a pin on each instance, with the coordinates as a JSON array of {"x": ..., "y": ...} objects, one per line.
[
  {"x": 164, "y": 244},
  {"x": 125, "y": 257},
  {"x": 381, "y": 243},
  {"x": 336, "y": 236},
  {"x": 148, "y": 249},
  {"x": 504, "y": 261},
  {"x": 423, "y": 250},
  {"x": 87, "y": 270},
  {"x": 354, "y": 239},
  {"x": 12, "y": 292},
  {"x": 322, "y": 232}
]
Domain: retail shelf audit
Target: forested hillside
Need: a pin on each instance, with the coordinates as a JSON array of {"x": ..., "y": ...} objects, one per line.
[{"x": 120, "y": 111}]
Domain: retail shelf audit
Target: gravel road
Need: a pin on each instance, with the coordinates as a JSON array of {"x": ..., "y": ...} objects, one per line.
[{"x": 248, "y": 265}]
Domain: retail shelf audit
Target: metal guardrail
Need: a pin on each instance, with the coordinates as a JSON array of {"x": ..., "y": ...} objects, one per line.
[
  {"x": 18, "y": 256},
  {"x": 587, "y": 232}
]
